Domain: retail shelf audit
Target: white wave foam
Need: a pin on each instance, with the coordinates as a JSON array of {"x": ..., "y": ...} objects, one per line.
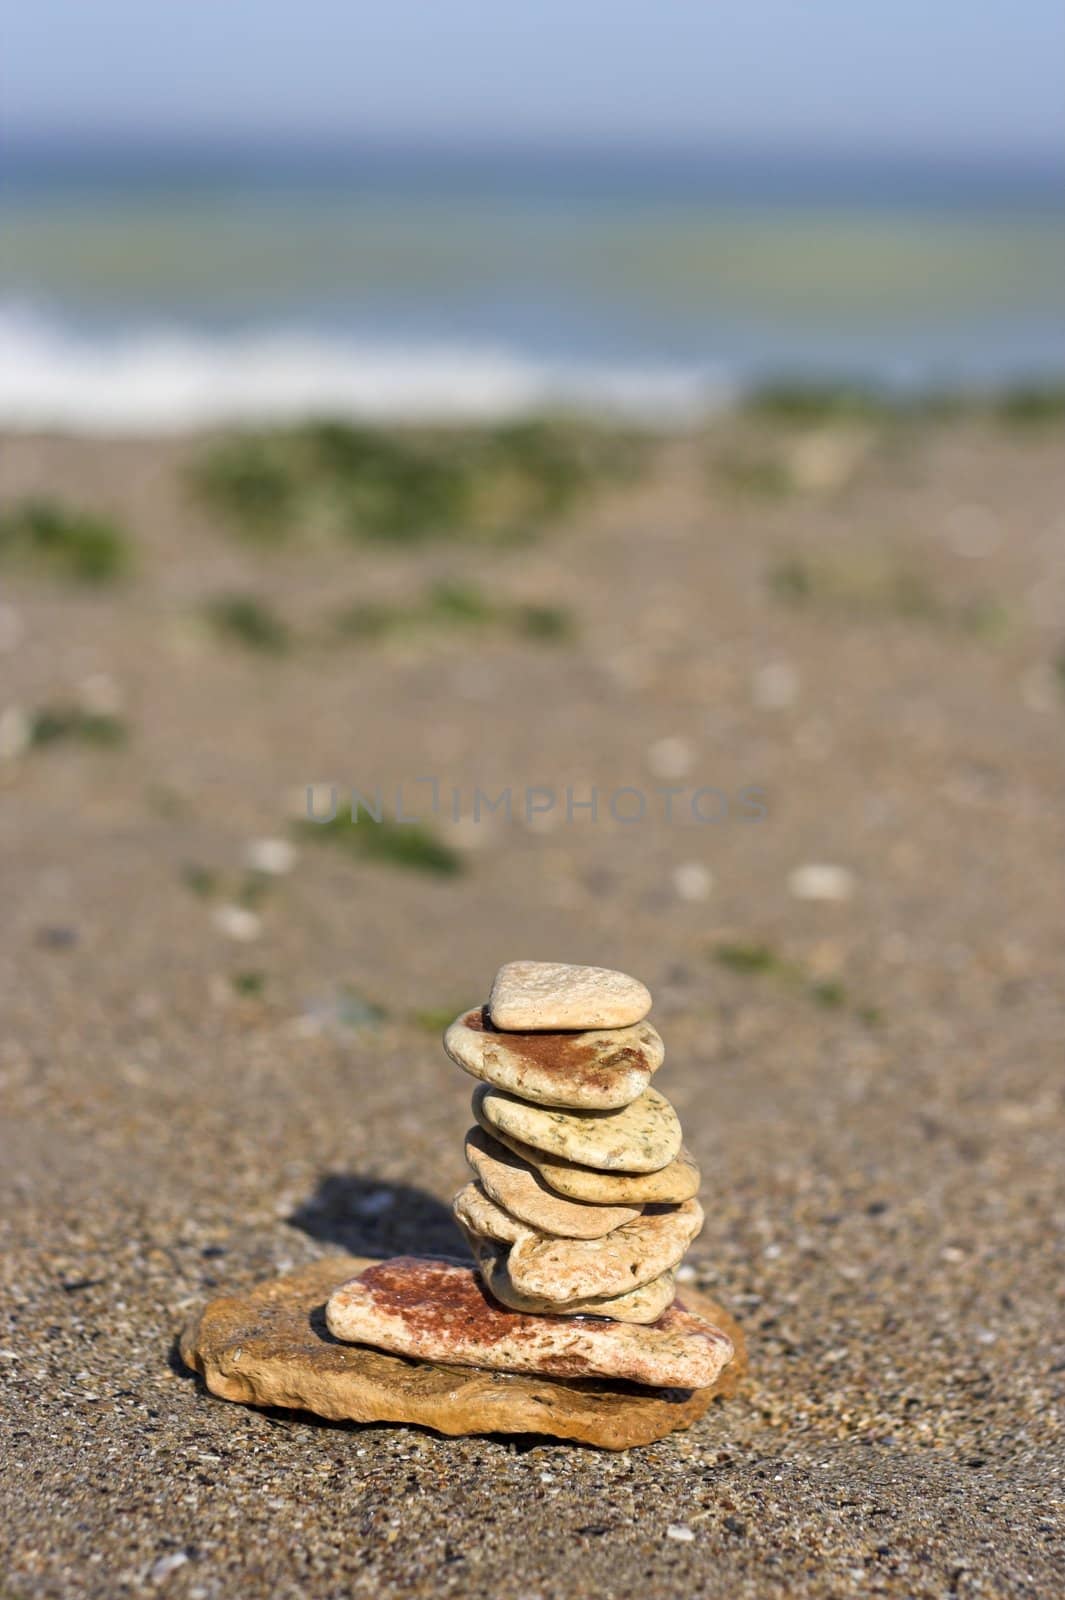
[{"x": 172, "y": 380}]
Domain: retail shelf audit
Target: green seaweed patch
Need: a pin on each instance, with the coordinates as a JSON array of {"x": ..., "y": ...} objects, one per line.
[
  {"x": 79, "y": 545},
  {"x": 459, "y": 604},
  {"x": 251, "y": 985},
  {"x": 986, "y": 618},
  {"x": 1031, "y": 405},
  {"x": 254, "y": 888},
  {"x": 248, "y": 480},
  {"x": 250, "y": 889},
  {"x": 412, "y": 846},
  {"x": 407, "y": 486},
  {"x": 246, "y": 620},
  {"x": 453, "y": 606},
  {"x": 748, "y": 958},
  {"x": 65, "y": 723},
  {"x": 828, "y": 993},
  {"x": 872, "y": 589},
  {"x": 445, "y": 605},
  {"x": 435, "y": 1019},
  {"x": 753, "y": 959},
  {"x": 792, "y": 580},
  {"x": 555, "y": 462},
  {"x": 754, "y": 472},
  {"x": 385, "y": 487},
  {"x": 803, "y": 404},
  {"x": 551, "y": 624},
  {"x": 204, "y": 882}
]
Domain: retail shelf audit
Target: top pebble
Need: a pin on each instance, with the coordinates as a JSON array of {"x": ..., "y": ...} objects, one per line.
[{"x": 535, "y": 996}]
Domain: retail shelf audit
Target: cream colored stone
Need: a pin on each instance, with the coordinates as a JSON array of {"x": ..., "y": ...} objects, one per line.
[
  {"x": 563, "y": 1270},
  {"x": 477, "y": 1213},
  {"x": 642, "y": 1137},
  {"x": 536, "y": 995},
  {"x": 267, "y": 1346},
  {"x": 518, "y": 1187},
  {"x": 600, "y": 1070},
  {"x": 679, "y": 1181},
  {"x": 643, "y": 1305}
]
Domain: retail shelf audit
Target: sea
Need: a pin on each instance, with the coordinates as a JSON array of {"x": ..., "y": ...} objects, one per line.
[{"x": 147, "y": 289}]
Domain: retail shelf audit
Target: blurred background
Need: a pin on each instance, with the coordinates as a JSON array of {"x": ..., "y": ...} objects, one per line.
[
  {"x": 570, "y": 398},
  {"x": 401, "y": 211}
]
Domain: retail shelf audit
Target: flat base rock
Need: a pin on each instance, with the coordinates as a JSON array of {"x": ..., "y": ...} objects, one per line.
[{"x": 269, "y": 1346}]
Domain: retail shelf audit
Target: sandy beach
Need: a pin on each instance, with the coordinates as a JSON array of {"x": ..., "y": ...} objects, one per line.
[{"x": 812, "y": 667}]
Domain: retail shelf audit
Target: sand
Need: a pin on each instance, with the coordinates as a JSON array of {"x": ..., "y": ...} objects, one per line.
[{"x": 871, "y": 1085}]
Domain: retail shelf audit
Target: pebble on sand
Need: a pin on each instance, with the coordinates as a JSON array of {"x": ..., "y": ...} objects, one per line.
[
  {"x": 679, "y": 1181},
  {"x": 644, "y": 1305},
  {"x": 642, "y": 1137},
  {"x": 821, "y": 881},
  {"x": 775, "y": 686},
  {"x": 538, "y": 996},
  {"x": 558, "y": 1270},
  {"x": 275, "y": 857},
  {"x": 518, "y": 1187},
  {"x": 693, "y": 881},
  {"x": 237, "y": 923},
  {"x": 101, "y": 695},
  {"x": 599, "y": 1070},
  {"x": 672, "y": 757},
  {"x": 627, "y": 1258}
]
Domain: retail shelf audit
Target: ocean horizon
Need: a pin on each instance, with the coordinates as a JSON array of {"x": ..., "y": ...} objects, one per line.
[{"x": 158, "y": 287}]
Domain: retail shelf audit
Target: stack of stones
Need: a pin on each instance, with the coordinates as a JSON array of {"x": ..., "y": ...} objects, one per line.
[
  {"x": 581, "y": 1208},
  {"x": 583, "y": 1200}
]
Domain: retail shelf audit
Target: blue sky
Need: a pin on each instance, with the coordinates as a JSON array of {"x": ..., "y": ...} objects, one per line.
[{"x": 947, "y": 79}]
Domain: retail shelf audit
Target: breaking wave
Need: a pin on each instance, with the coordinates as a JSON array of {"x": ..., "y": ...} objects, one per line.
[{"x": 165, "y": 378}]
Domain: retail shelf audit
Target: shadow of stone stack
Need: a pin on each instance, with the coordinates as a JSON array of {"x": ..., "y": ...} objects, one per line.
[{"x": 583, "y": 1201}]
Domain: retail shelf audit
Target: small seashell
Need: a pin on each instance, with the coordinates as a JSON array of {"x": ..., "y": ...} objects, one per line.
[
  {"x": 670, "y": 758},
  {"x": 272, "y": 856},
  {"x": 237, "y": 923},
  {"x": 692, "y": 880},
  {"x": 775, "y": 686},
  {"x": 821, "y": 881}
]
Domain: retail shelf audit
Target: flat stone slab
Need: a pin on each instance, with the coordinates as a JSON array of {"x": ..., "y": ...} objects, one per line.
[
  {"x": 269, "y": 1346},
  {"x": 441, "y": 1311},
  {"x": 518, "y": 1188},
  {"x": 536, "y": 995},
  {"x": 478, "y": 1214},
  {"x": 562, "y": 1270},
  {"x": 679, "y": 1181},
  {"x": 644, "y": 1305},
  {"x": 602, "y": 1069},
  {"x": 568, "y": 1269},
  {"x": 642, "y": 1137}
]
